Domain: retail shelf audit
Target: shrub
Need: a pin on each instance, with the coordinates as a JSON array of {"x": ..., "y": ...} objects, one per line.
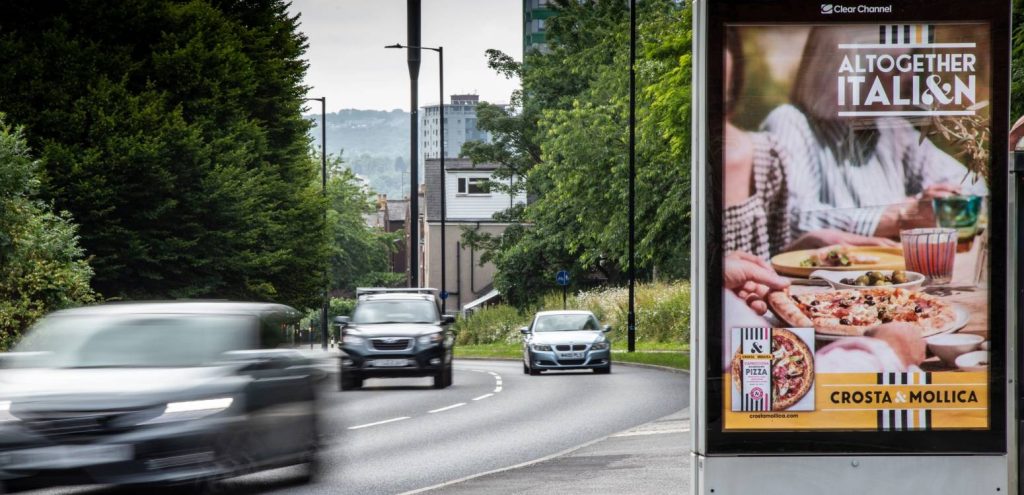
[
  {"x": 40, "y": 259},
  {"x": 662, "y": 315}
]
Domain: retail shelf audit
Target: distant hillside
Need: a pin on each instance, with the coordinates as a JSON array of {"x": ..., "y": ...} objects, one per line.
[{"x": 375, "y": 144}]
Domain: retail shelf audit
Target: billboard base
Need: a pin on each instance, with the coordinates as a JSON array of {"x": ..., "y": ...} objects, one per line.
[{"x": 850, "y": 475}]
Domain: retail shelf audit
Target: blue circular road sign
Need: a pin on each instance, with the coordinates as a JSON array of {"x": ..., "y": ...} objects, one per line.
[
  {"x": 562, "y": 277},
  {"x": 444, "y": 295}
]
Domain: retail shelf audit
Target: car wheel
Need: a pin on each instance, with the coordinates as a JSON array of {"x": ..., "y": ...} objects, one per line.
[
  {"x": 442, "y": 379},
  {"x": 526, "y": 369},
  {"x": 350, "y": 381},
  {"x": 604, "y": 370}
]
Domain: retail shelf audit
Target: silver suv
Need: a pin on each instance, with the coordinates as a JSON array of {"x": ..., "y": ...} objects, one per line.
[{"x": 396, "y": 333}]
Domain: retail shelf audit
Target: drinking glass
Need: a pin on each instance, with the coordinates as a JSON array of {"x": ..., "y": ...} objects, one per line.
[
  {"x": 960, "y": 213},
  {"x": 930, "y": 252}
]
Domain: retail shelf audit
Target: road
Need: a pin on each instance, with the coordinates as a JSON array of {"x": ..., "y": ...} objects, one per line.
[{"x": 400, "y": 435}]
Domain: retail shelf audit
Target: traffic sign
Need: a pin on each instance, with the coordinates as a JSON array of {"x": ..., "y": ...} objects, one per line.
[
  {"x": 562, "y": 278},
  {"x": 444, "y": 295}
]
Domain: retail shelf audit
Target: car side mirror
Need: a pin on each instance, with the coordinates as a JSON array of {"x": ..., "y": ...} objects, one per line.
[
  {"x": 607, "y": 328},
  {"x": 524, "y": 330},
  {"x": 447, "y": 319}
]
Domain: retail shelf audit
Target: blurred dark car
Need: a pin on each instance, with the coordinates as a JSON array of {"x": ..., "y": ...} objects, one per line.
[
  {"x": 396, "y": 333},
  {"x": 177, "y": 393}
]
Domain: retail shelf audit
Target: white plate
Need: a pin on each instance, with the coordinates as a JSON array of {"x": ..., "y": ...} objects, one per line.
[
  {"x": 971, "y": 361},
  {"x": 570, "y": 355},
  {"x": 962, "y": 317},
  {"x": 390, "y": 363},
  {"x": 915, "y": 280}
]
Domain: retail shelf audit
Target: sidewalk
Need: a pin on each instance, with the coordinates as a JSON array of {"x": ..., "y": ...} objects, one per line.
[{"x": 650, "y": 459}]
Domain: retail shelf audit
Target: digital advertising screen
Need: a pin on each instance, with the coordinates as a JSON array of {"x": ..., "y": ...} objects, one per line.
[{"x": 858, "y": 185}]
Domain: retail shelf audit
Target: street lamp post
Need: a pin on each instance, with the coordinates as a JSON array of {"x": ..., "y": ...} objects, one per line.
[
  {"x": 323, "y": 185},
  {"x": 444, "y": 189},
  {"x": 631, "y": 317}
]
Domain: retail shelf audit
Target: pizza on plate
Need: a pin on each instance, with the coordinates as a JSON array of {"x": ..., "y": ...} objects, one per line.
[
  {"x": 792, "y": 369},
  {"x": 853, "y": 312}
]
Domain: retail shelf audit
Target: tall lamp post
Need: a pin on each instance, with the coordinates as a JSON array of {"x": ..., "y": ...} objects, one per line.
[
  {"x": 631, "y": 317},
  {"x": 323, "y": 184},
  {"x": 444, "y": 190}
]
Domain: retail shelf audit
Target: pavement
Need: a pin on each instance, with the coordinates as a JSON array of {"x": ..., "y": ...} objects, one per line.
[{"x": 651, "y": 459}]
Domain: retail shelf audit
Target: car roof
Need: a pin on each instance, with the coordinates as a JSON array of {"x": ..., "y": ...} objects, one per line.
[
  {"x": 397, "y": 295},
  {"x": 565, "y": 312},
  {"x": 181, "y": 307}
]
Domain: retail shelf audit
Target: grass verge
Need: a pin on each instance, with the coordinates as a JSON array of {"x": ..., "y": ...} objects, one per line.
[{"x": 658, "y": 354}]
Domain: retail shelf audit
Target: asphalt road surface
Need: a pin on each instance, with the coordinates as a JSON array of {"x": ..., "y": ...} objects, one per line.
[{"x": 400, "y": 435}]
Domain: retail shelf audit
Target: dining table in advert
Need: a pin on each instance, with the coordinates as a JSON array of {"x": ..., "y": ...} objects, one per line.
[{"x": 967, "y": 292}]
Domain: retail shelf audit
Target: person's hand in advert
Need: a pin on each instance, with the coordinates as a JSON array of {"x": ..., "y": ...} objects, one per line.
[
  {"x": 891, "y": 347},
  {"x": 751, "y": 279},
  {"x": 832, "y": 237},
  {"x": 904, "y": 340}
]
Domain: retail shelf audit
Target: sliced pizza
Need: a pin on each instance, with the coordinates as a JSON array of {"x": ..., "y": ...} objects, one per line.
[{"x": 853, "y": 312}]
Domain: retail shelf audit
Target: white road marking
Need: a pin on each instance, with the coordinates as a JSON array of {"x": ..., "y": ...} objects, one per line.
[
  {"x": 479, "y": 371},
  {"x": 392, "y": 420},
  {"x": 655, "y": 432},
  {"x": 497, "y": 389},
  {"x": 492, "y": 373},
  {"x": 483, "y": 396},
  {"x": 453, "y": 406}
]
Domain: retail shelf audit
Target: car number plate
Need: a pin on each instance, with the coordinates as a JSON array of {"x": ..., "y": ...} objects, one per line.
[
  {"x": 570, "y": 355},
  {"x": 390, "y": 363},
  {"x": 66, "y": 456}
]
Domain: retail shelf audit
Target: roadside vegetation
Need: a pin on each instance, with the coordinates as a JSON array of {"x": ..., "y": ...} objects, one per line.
[{"x": 662, "y": 322}]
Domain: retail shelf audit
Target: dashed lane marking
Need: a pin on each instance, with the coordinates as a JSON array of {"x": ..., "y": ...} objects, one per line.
[
  {"x": 483, "y": 396},
  {"x": 392, "y": 420},
  {"x": 453, "y": 406}
]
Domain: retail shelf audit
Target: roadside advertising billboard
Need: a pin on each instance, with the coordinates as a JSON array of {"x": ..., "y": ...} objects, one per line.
[{"x": 854, "y": 199}]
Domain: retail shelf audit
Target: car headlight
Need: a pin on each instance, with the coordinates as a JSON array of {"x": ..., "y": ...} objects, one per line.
[
  {"x": 433, "y": 338},
  {"x": 352, "y": 340},
  {"x": 599, "y": 346},
  {"x": 193, "y": 409},
  {"x": 5, "y": 412},
  {"x": 542, "y": 347}
]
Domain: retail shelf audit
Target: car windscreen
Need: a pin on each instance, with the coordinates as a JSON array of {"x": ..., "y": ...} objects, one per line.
[
  {"x": 404, "y": 311},
  {"x": 132, "y": 341},
  {"x": 565, "y": 323}
]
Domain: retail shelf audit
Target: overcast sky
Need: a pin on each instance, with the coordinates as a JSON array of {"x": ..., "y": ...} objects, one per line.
[{"x": 348, "y": 62}]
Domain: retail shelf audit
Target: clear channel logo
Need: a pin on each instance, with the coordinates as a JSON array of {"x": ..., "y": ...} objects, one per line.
[{"x": 829, "y": 9}]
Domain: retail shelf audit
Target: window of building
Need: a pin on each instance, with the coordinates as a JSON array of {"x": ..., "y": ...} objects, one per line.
[{"x": 474, "y": 185}]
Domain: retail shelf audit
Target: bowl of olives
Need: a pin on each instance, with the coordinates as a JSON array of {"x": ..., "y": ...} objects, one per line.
[{"x": 870, "y": 278}]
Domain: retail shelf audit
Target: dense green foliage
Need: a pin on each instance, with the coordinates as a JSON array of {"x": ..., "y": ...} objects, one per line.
[
  {"x": 171, "y": 131},
  {"x": 566, "y": 140},
  {"x": 1017, "y": 65},
  {"x": 360, "y": 254},
  {"x": 662, "y": 311},
  {"x": 40, "y": 259}
]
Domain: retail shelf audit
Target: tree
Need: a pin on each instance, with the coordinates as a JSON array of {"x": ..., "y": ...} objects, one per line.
[
  {"x": 172, "y": 132},
  {"x": 1017, "y": 62},
  {"x": 359, "y": 254},
  {"x": 40, "y": 259},
  {"x": 566, "y": 141}
]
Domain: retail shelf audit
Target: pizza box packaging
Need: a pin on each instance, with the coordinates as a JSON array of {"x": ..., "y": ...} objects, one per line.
[{"x": 754, "y": 347}]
